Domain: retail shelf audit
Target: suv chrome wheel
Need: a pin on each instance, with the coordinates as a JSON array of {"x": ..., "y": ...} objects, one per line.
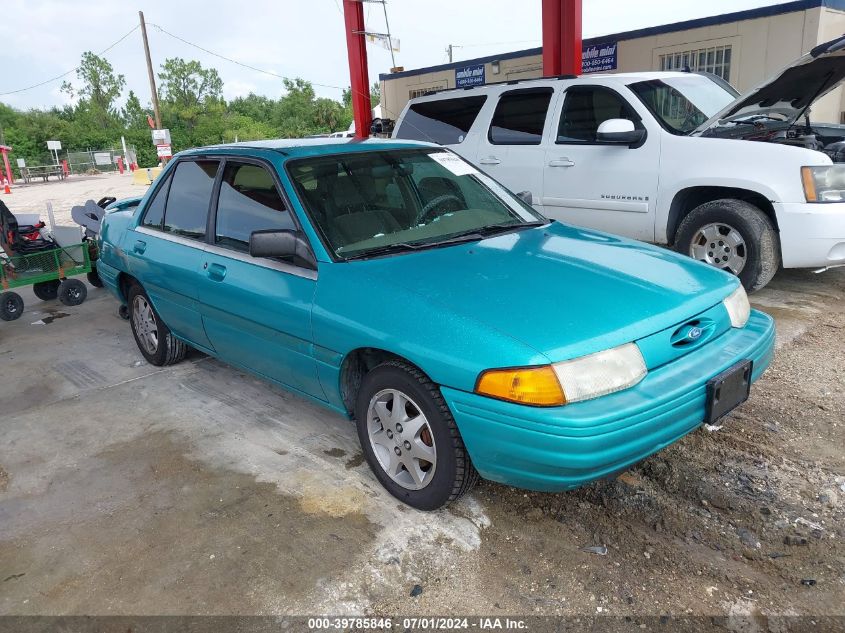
[
  {"x": 145, "y": 324},
  {"x": 401, "y": 439},
  {"x": 720, "y": 245}
]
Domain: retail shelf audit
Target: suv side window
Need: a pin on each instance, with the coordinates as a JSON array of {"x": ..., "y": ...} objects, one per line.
[
  {"x": 190, "y": 194},
  {"x": 520, "y": 116},
  {"x": 248, "y": 201},
  {"x": 587, "y": 107},
  {"x": 445, "y": 121},
  {"x": 154, "y": 215}
]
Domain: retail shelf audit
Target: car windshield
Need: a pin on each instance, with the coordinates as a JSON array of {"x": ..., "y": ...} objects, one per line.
[
  {"x": 375, "y": 202},
  {"x": 683, "y": 103}
]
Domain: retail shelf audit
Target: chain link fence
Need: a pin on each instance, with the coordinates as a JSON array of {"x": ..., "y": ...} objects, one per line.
[{"x": 101, "y": 160}]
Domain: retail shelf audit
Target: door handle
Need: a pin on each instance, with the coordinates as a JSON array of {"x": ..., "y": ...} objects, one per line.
[
  {"x": 490, "y": 161},
  {"x": 139, "y": 247},
  {"x": 561, "y": 162},
  {"x": 216, "y": 272}
]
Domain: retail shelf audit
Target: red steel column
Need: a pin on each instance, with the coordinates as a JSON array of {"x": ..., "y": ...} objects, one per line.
[
  {"x": 551, "y": 38},
  {"x": 356, "y": 46},
  {"x": 570, "y": 27},
  {"x": 5, "y": 151},
  {"x": 561, "y": 37}
]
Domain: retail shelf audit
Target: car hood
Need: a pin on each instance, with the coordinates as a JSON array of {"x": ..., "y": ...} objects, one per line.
[
  {"x": 563, "y": 291},
  {"x": 790, "y": 92}
]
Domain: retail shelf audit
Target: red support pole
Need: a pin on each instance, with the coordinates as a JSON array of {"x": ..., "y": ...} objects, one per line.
[
  {"x": 551, "y": 38},
  {"x": 561, "y": 37},
  {"x": 571, "y": 47},
  {"x": 356, "y": 46},
  {"x": 5, "y": 151}
]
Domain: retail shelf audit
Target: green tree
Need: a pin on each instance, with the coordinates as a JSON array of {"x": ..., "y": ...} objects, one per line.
[
  {"x": 100, "y": 87},
  {"x": 188, "y": 89}
]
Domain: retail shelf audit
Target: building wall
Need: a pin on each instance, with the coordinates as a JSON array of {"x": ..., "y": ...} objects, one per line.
[{"x": 759, "y": 48}]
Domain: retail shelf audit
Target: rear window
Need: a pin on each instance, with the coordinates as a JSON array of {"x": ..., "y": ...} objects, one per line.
[
  {"x": 445, "y": 121},
  {"x": 190, "y": 193}
]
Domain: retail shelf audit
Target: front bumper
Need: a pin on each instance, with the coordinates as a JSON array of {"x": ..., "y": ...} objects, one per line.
[
  {"x": 812, "y": 235},
  {"x": 560, "y": 448}
]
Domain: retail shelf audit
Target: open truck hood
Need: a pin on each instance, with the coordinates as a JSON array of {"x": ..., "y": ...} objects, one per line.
[{"x": 787, "y": 95}]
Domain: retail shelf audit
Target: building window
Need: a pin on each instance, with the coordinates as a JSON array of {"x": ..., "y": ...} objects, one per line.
[
  {"x": 421, "y": 92},
  {"x": 716, "y": 60}
]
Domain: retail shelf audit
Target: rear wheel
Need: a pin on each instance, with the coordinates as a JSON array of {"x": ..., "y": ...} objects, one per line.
[
  {"x": 11, "y": 306},
  {"x": 410, "y": 439},
  {"x": 46, "y": 290},
  {"x": 94, "y": 278},
  {"x": 735, "y": 236},
  {"x": 72, "y": 292},
  {"x": 153, "y": 337}
]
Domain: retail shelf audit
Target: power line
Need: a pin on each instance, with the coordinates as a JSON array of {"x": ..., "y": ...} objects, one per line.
[{"x": 72, "y": 70}]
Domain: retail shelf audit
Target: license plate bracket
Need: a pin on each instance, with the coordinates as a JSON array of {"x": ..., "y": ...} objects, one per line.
[{"x": 728, "y": 390}]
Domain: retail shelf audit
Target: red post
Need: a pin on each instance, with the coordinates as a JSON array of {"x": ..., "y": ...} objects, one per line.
[
  {"x": 356, "y": 47},
  {"x": 65, "y": 168},
  {"x": 4, "y": 149},
  {"x": 120, "y": 164},
  {"x": 561, "y": 37}
]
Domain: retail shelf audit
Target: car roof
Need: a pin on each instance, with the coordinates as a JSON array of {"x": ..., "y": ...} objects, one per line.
[{"x": 297, "y": 147}]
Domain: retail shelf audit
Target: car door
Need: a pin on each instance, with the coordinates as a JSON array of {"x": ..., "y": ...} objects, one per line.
[
  {"x": 256, "y": 311},
  {"x": 586, "y": 182},
  {"x": 166, "y": 249},
  {"x": 512, "y": 151}
]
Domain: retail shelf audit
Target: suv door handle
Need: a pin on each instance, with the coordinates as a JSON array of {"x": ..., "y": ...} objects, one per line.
[
  {"x": 490, "y": 161},
  {"x": 216, "y": 272},
  {"x": 561, "y": 162},
  {"x": 139, "y": 247}
]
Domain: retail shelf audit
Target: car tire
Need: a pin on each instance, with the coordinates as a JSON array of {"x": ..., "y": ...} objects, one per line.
[
  {"x": 46, "y": 290},
  {"x": 431, "y": 430},
  {"x": 11, "y": 306},
  {"x": 94, "y": 278},
  {"x": 748, "y": 236},
  {"x": 154, "y": 339},
  {"x": 72, "y": 292}
]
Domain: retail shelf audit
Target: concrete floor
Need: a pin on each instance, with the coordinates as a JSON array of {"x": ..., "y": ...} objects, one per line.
[{"x": 126, "y": 488}]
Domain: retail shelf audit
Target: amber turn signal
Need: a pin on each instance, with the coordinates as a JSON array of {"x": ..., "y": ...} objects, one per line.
[
  {"x": 809, "y": 181},
  {"x": 537, "y": 386}
]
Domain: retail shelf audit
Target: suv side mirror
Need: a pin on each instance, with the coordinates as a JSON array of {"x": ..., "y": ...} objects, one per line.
[
  {"x": 526, "y": 197},
  {"x": 619, "y": 132},
  {"x": 283, "y": 244}
]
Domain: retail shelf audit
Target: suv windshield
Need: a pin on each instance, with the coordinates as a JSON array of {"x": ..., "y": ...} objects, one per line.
[
  {"x": 681, "y": 104},
  {"x": 374, "y": 202}
]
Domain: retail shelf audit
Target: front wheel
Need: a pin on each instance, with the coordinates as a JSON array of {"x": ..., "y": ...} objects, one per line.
[
  {"x": 46, "y": 290},
  {"x": 11, "y": 306},
  {"x": 735, "y": 236},
  {"x": 153, "y": 337},
  {"x": 72, "y": 292},
  {"x": 410, "y": 439}
]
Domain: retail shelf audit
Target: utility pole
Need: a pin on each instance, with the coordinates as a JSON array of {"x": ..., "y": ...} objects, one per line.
[
  {"x": 389, "y": 40},
  {"x": 156, "y": 111},
  {"x": 449, "y": 50}
]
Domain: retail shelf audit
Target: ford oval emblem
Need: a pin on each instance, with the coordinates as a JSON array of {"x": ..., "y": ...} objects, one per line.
[{"x": 694, "y": 333}]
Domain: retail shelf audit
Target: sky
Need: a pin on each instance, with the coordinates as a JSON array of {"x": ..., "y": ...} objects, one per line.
[{"x": 292, "y": 38}]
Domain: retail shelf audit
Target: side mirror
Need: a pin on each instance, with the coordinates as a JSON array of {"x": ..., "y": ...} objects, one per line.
[
  {"x": 283, "y": 244},
  {"x": 619, "y": 132},
  {"x": 526, "y": 197}
]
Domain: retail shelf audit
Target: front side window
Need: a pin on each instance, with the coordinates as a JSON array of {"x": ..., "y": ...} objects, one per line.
[
  {"x": 383, "y": 201},
  {"x": 248, "y": 201},
  {"x": 520, "y": 116},
  {"x": 445, "y": 121},
  {"x": 586, "y": 108},
  {"x": 190, "y": 193}
]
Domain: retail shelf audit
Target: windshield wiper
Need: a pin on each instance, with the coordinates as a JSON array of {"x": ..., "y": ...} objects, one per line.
[
  {"x": 399, "y": 247},
  {"x": 488, "y": 231}
]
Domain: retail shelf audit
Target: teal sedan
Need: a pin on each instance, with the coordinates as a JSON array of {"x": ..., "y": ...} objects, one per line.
[{"x": 465, "y": 334}]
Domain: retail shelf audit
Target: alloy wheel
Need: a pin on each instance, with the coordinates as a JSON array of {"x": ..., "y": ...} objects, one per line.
[
  {"x": 720, "y": 245},
  {"x": 144, "y": 322}
]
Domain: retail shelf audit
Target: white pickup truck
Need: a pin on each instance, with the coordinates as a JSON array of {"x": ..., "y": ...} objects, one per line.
[{"x": 664, "y": 157}]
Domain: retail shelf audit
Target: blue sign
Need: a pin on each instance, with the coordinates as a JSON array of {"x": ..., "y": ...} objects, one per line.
[
  {"x": 599, "y": 57},
  {"x": 469, "y": 76}
]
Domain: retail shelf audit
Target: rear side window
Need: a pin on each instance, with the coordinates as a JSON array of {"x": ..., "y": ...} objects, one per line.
[
  {"x": 249, "y": 201},
  {"x": 520, "y": 116},
  {"x": 189, "y": 197},
  {"x": 585, "y": 108},
  {"x": 445, "y": 121},
  {"x": 154, "y": 215}
]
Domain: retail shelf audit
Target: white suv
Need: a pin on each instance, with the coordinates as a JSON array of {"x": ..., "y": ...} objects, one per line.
[{"x": 664, "y": 157}]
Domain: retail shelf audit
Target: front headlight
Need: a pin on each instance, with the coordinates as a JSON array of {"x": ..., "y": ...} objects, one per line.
[
  {"x": 738, "y": 307},
  {"x": 825, "y": 183},
  {"x": 569, "y": 381}
]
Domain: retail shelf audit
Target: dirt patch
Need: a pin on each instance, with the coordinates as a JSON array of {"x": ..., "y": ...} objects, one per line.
[{"x": 4, "y": 480}]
